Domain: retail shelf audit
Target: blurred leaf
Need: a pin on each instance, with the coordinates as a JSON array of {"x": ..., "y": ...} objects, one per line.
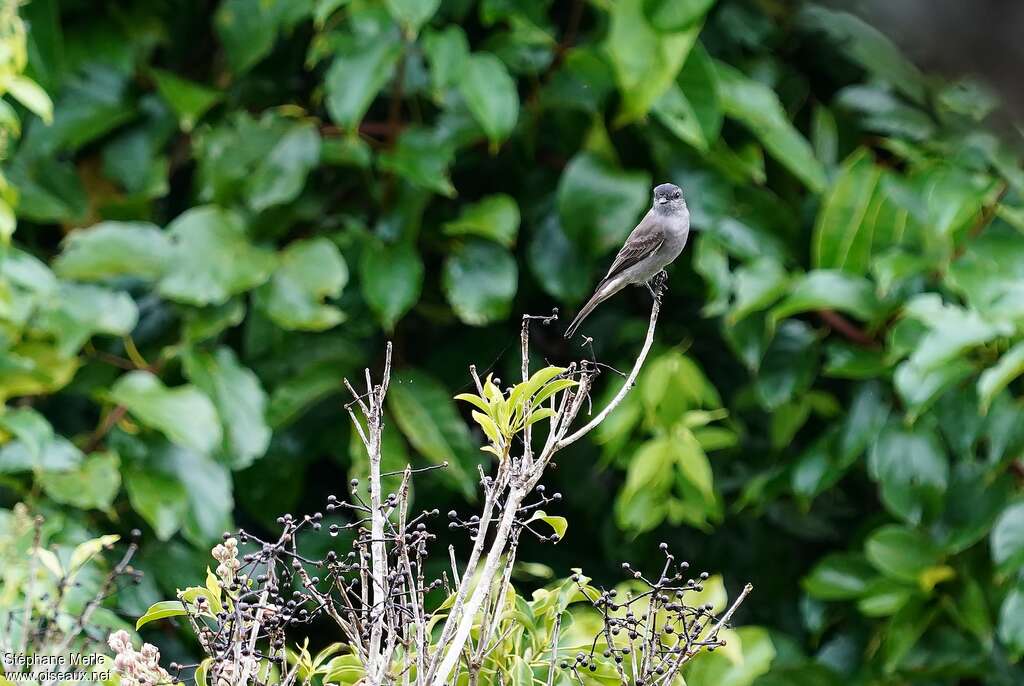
[
  {"x": 758, "y": 108},
  {"x": 674, "y": 15},
  {"x": 91, "y": 485},
  {"x": 1008, "y": 538},
  {"x": 240, "y": 401},
  {"x": 361, "y": 67},
  {"x": 423, "y": 158},
  {"x": 913, "y": 471},
  {"x": 557, "y": 263},
  {"x": 189, "y": 100},
  {"x": 690, "y": 108},
  {"x": 480, "y": 280},
  {"x": 840, "y": 576},
  {"x": 830, "y": 290},
  {"x": 901, "y": 553},
  {"x": 85, "y": 310},
  {"x": 788, "y": 366},
  {"x": 495, "y": 217},
  {"x": 412, "y": 14},
  {"x": 447, "y": 52},
  {"x": 391, "y": 277},
  {"x": 426, "y": 414},
  {"x": 491, "y": 96},
  {"x": 111, "y": 249},
  {"x": 757, "y": 285},
  {"x": 212, "y": 258},
  {"x": 1011, "y": 621},
  {"x": 309, "y": 272},
  {"x": 279, "y": 178},
  {"x": 646, "y": 60},
  {"x": 717, "y": 669},
  {"x": 996, "y": 378},
  {"x": 248, "y": 30},
  {"x": 867, "y": 46},
  {"x": 158, "y": 498},
  {"x": 183, "y": 414},
  {"x": 599, "y": 203},
  {"x": 953, "y": 330}
]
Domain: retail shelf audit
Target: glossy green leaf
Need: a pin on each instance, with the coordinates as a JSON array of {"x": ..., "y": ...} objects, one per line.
[
  {"x": 758, "y": 108},
  {"x": 901, "y": 553},
  {"x": 495, "y": 217},
  {"x": 1008, "y": 538},
  {"x": 480, "y": 279},
  {"x": 491, "y": 95},
  {"x": 240, "y": 401},
  {"x": 112, "y": 249},
  {"x": 189, "y": 100},
  {"x": 212, "y": 258},
  {"x": 310, "y": 271},
  {"x": 598, "y": 203},
  {"x": 183, "y": 414},
  {"x": 841, "y": 576},
  {"x": 361, "y": 67},
  {"x": 646, "y": 60},
  {"x": 391, "y": 278}
]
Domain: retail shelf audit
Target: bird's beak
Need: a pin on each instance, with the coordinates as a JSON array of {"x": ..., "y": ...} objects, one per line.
[{"x": 662, "y": 201}]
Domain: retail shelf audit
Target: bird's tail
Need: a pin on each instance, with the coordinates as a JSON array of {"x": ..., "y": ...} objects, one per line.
[{"x": 599, "y": 297}]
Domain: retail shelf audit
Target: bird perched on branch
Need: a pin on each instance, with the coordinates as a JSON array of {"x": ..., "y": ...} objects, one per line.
[{"x": 653, "y": 245}]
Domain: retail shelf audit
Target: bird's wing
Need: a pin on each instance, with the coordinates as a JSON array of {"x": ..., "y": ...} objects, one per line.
[{"x": 646, "y": 238}]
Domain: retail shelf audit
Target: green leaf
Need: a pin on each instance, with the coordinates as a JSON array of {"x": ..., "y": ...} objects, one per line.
[
  {"x": 1011, "y": 621},
  {"x": 952, "y": 330},
  {"x": 247, "y": 30},
  {"x": 159, "y": 498},
  {"x": 480, "y": 279},
  {"x": 674, "y": 15},
  {"x": 447, "y": 53},
  {"x": 756, "y": 286},
  {"x": 495, "y": 217},
  {"x": 202, "y": 323},
  {"x": 491, "y": 96},
  {"x": 391, "y": 278},
  {"x": 111, "y": 249},
  {"x": 91, "y": 485},
  {"x": 31, "y": 95},
  {"x": 830, "y": 290},
  {"x": 183, "y": 414},
  {"x": 867, "y": 46},
  {"x": 901, "y": 553},
  {"x": 758, "y": 108},
  {"x": 757, "y": 653},
  {"x": 600, "y": 203},
  {"x": 239, "y": 399},
  {"x": 913, "y": 471},
  {"x": 310, "y": 271},
  {"x": 558, "y": 524},
  {"x": 1008, "y": 538},
  {"x": 281, "y": 175},
  {"x": 845, "y": 230},
  {"x": 412, "y": 14},
  {"x": 361, "y": 67},
  {"x": 161, "y": 610},
  {"x": 189, "y": 100},
  {"x": 85, "y": 310},
  {"x": 690, "y": 108},
  {"x": 212, "y": 259},
  {"x": 425, "y": 413},
  {"x": 996, "y": 378},
  {"x": 919, "y": 388},
  {"x": 557, "y": 263},
  {"x": 646, "y": 60},
  {"x": 840, "y": 576},
  {"x": 422, "y": 157}
]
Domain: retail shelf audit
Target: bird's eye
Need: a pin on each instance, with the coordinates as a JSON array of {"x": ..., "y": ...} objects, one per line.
[{"x": 676, "y": 194}]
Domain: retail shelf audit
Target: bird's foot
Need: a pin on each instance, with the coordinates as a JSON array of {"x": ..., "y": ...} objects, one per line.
[{"x": 658, "y": 284}]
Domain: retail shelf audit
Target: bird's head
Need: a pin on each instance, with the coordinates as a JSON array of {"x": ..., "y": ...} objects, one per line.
[{"x": 668, "y": 198}]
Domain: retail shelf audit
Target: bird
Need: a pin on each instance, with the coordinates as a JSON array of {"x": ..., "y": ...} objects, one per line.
[{"x": 655, "y": 242}]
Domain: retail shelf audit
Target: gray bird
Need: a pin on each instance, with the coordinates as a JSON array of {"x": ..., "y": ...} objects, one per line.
[{"x": 653, "y": 245}]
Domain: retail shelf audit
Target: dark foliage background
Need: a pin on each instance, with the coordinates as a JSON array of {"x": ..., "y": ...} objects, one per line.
[{"x": 236, "y": 203}]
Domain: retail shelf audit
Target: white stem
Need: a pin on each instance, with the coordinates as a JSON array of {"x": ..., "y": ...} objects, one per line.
[
  {"x": 494, "y": 558},
  {"x": 626, "y": 387}
]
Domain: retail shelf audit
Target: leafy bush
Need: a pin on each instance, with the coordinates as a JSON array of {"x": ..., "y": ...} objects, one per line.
[{"x": 230, "y": 210}]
